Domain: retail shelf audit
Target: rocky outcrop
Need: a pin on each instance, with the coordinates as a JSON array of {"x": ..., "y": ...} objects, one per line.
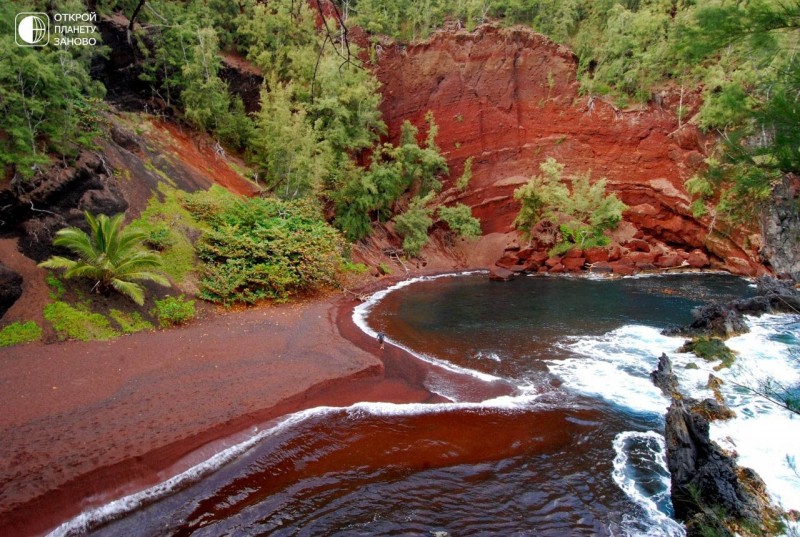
[
  {"x": 57, "y": 197},
  {"x": 706, "y": 481},
  {"x": 509, "y": 98},
  {"x": 664, "y": 378},
  {"x": 727, "y": 319},
  {"x": 10, "y": 288},
  {"x": 781, "y": 228}
]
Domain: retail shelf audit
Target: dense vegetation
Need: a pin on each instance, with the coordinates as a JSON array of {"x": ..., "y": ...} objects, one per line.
[
  {"x": 315, "y": 143},
  {"x": 567, "y": 218}
]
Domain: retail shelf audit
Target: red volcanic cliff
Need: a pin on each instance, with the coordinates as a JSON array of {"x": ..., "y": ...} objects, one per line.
[{"x": 508, "y": 97}]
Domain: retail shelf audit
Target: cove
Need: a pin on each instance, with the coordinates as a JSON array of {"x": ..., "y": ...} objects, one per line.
[{"x": 574, "y": 448}]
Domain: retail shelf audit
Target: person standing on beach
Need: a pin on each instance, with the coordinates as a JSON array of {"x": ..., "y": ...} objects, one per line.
[{"x": 381, "y": 338}]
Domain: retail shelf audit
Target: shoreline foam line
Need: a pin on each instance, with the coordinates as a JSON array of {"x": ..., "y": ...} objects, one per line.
[
  {"x": 361, "y": 312},
  {"x": 96, "y": 517}
]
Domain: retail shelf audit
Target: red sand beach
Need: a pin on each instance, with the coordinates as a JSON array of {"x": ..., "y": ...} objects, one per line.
[{"x": 85, "y": 422}]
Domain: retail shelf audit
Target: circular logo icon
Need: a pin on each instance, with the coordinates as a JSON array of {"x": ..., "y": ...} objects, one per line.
[{"x": 32, "y": 29}]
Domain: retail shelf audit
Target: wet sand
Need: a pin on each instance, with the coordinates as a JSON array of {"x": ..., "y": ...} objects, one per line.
[{"x": 83, "y": 423}]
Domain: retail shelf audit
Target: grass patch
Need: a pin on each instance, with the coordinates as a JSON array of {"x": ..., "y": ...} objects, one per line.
[
  {"x": 173, "y": 311},
  {"x": 80, "y": 324},
  {"x": 130, "y": 323},
  {"x": 57, "y": 288},
  {"x": 710, "y": 349},
  {"x": 171, "y": 229},
  {"x": 19, "y": 333}
]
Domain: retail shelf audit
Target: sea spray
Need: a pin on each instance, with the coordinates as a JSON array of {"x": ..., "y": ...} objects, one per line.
[{"x": 616, "y": 366}]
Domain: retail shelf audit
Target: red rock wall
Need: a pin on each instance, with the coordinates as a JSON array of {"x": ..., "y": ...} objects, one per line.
[{"x": 509, "y": 98}]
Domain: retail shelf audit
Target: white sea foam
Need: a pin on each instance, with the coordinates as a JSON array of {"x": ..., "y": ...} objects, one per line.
[
  {"x": 89, "y": 519},
  {"x": 766, "y": 437},
  {"x": 651, "y": 446},
  {"x": 616, "y": 366},
  {"x": 113, "y": 510}
]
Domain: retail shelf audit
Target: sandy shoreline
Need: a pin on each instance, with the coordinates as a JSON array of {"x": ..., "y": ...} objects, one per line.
[{"x": 74, "y": 413}]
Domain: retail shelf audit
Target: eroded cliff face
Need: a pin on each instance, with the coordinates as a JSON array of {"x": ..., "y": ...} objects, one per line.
[{"x": 509, "y": 98}]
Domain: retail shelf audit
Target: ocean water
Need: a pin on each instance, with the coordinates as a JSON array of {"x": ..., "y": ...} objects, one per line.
[{"x": 576, "y": 449}]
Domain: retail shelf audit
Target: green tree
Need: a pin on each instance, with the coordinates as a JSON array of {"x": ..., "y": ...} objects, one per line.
[
  {"x": 288, "y": 153},
  {"x": 459, "y": 218},
  {"x": 109, "y": 254},
  {"x": 206, "y": 98},
  {"x": 581, "y": 215},
  {"x": 48, "y": 102},
  {"x": 752, "y": 79},
  {"x": 414, "y": 223}
]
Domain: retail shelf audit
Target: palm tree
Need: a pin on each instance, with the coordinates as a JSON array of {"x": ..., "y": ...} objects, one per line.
[{"x": 110, "y": 255}]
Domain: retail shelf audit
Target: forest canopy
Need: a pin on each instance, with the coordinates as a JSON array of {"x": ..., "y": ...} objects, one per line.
[{"x": 318, "y": 131}]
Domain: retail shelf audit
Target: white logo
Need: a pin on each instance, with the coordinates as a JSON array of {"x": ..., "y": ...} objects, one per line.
[{"x": 33, "y": 29}]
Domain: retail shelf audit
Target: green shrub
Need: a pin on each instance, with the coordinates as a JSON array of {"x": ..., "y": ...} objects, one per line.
[
  {"x": 582, "y": 214},
  {"x": 206, "y": 205},
  {"x": 18, "y": 333},
  {"x": 268, "y": 249},
  {"x": 130, "y": 322},
  {"x": 158, "y": 238},
  {"x": 413, "y": 224},
  {"x": 460, "y": 219},
  {"x": 74, "y": 323},
  {"x": 173, "y": 311}
]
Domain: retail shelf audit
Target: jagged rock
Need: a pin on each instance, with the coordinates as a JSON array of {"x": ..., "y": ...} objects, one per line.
[
  {"x": 10, "y": 288},
  {"x": 107, "y": 200},
  {"x": 702, "y": 474},
  {"x": 573, "y": 264},
  {"x": 711, "y": 409},
  {"x": 697, "y": 259},
  {"x": 596, "y": 255},
  {"x": 664, "y": 378},
  {"x": 125, "y": 139}
]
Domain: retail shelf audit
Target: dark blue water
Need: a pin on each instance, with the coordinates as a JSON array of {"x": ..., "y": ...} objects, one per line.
[{"x": 469, "y": 321}]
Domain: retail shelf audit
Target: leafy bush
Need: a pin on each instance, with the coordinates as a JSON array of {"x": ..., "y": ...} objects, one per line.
[
  {"x": 158, "y": 238},
  {"x": 413, "y": 225},
  {"x": 268, "y": 249},
  {"x": 173, "y": 311},
  {"x": 206, "y": 205},
  {"x": 74, "y": 323},
  {"x": 130, "y": 323},
  {"x": 582, "y": 216},
  {"x": 18, "y": 333},
  {"x": 466, "y": 176},
  {"x": 460, "y": 219}
]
